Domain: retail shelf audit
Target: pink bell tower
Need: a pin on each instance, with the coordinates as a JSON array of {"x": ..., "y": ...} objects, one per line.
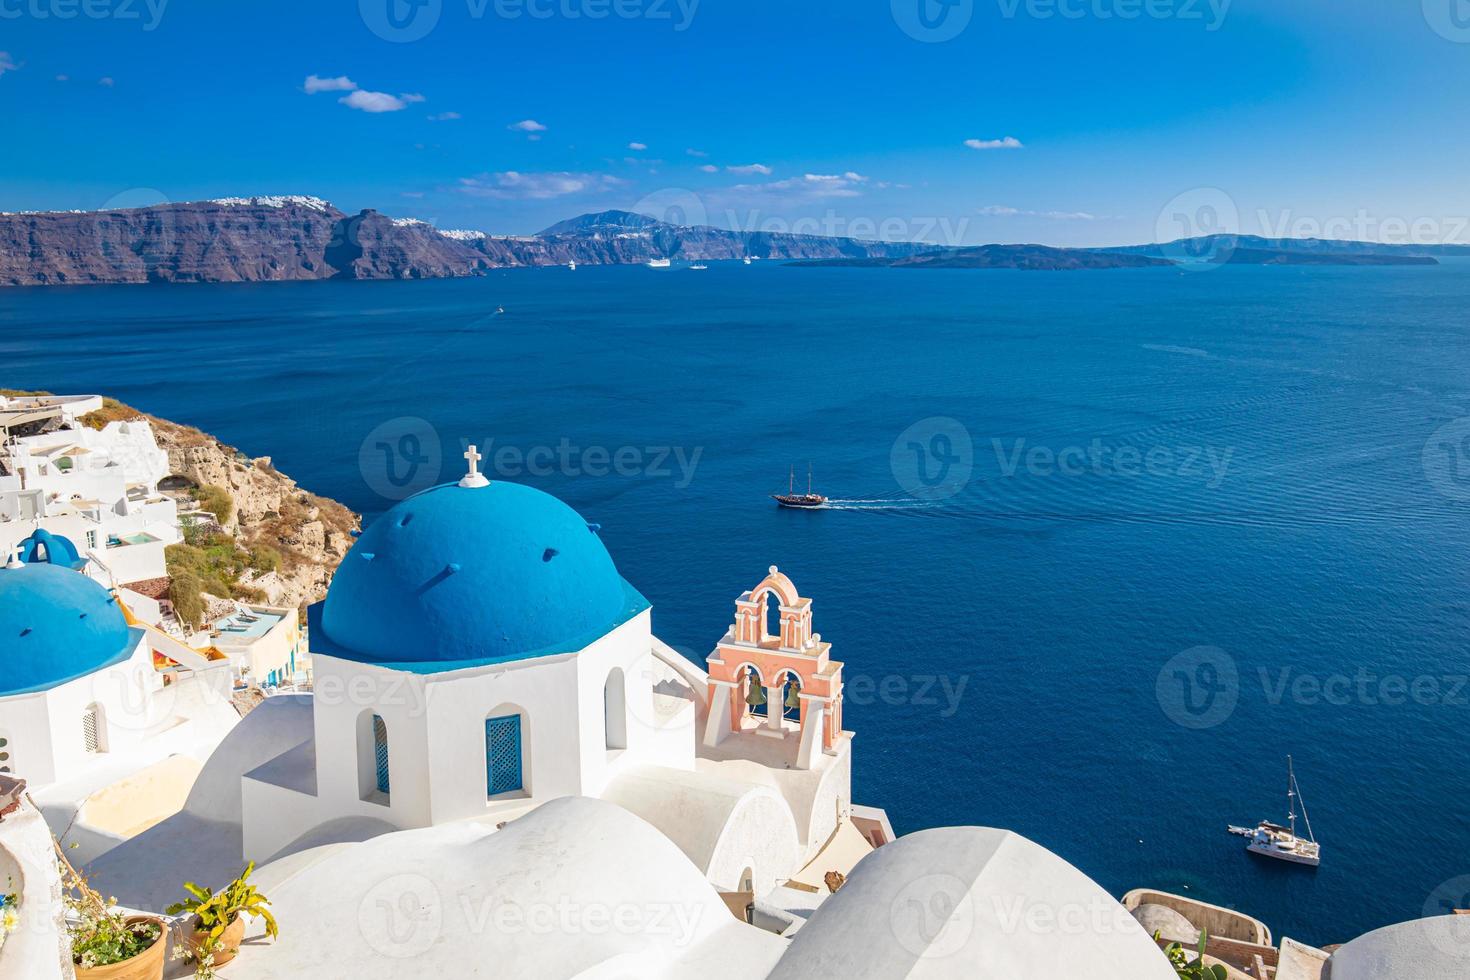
[{"x": 790, "y": 674}]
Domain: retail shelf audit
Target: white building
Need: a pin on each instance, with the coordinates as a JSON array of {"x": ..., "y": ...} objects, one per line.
[
  {"x": 96, "y": 488},
  {"x": 500, "y": 764},
  {"x": 98, "y": 732}
]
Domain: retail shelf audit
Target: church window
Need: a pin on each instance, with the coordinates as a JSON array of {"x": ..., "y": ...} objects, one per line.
[
  {"x": 94, "y": 731},
  {"x": 380, "y": 753},
  {"x": 503, "y": 755}
]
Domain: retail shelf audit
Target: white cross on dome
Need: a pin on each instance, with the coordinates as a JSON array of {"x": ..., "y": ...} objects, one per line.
[{"x": 474, "y": 478}]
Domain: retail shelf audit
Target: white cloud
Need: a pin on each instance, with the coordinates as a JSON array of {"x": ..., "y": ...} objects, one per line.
[
  {"x": 809, "y": 186},
  {"x": 710, "y": 168},
  {"x": 1001, "y": 211},
  {"x": 445, "y": 116},
  {"x": 373, "y": 101},
  {"x": 637, "y": 146},
  {"x": 7, "y": 63},
  {"x": 696, "y": 153},
  {"x": 1007, "y": 143},
  {"x": 751, "y": 168},
  {"x": 514, "y": 185},
  {"x": 315, "y": 84},
  {"x": 412, "y": 97},
  {"x": 527, "y": 126}
]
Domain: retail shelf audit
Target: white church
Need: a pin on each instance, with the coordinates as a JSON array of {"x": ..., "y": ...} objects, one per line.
[{"x": 502, "y": 771}]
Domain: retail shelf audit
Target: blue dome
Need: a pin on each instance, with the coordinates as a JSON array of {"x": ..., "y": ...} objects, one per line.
[
  {"x": 55, "y": 625},
  {"x": 457, "y": 576}
]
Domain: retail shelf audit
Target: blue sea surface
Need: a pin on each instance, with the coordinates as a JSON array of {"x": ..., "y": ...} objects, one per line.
[{"x": 1117, "y": 542}]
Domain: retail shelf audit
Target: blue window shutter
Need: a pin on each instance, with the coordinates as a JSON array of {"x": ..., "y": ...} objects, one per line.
[
  {"x": 502, "y": 754},
  {"x": 380, "y": 752}
]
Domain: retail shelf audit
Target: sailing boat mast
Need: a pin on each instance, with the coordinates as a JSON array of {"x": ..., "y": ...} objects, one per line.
[
  {"x": 1291, "y": 795},
  {"x": 1296, "y": 797},
  {"x": 808, "y": 479},
  {"x": 791, "y": 482}
]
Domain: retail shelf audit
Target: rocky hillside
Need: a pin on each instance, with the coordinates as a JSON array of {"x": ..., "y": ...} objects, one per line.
[
  {"x": 287, "y": 541},
  {"x": 285, "y": 238}
]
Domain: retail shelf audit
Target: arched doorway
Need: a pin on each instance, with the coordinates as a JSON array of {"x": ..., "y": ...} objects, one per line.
[{"x": 615, "y": 711}]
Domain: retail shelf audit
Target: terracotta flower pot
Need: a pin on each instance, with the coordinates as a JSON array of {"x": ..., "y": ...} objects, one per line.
[
  {"x": 229, "y": 941},
  {"x": 147, "y": 965}
]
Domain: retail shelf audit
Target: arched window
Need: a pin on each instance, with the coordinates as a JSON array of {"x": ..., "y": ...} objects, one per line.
[
  {"x": 615, "y": 711},
  {"x": 5, "y": 765},
  {"x": 372, "y": 758},
  {"x": 504, "y": 772},
  {"x": 772, "y": 611},
  {"x": 94, "y": 729}
]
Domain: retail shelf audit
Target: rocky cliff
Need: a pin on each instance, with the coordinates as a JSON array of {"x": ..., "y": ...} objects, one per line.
[
  {"x": 268, "y": 512},
  {"x": 285, "y": 238}
]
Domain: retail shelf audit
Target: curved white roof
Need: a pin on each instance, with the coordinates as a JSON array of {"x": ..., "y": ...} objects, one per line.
[
  {"x": 1424, "y": 949},
  {"x": 971, "y": 902},
  {"x": 578, "y": 886}
]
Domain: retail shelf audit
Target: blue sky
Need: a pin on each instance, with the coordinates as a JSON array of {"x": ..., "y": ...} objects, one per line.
[{"x": 1134, "y": 118}]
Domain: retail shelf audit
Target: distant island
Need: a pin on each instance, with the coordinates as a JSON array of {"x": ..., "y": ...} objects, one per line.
[
  {"x": 1029, "y": 257},
  {"x": 261, "y": 239},
  {"x": 268, "y": 239},
  {"x": 1272, "y": 256}
]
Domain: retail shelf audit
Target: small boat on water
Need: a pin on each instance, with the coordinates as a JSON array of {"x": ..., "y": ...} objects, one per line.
[
  {"x": 800, "y": 501},
  {"x": 659, "y": 263},
  {"x": 572, "y": 265},
  {"x": 1275, "y": 841},
  {"x": 499, "y": 310},
  {"x": 747, "y": 260},
  {"x": 700, "y": 267}
]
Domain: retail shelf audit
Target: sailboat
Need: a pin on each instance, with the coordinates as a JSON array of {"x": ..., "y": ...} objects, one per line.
[
  {"x": 1275, "y": 841},
  {"x": 804, "y": 501},
  {"x": 572, "y": 265}
]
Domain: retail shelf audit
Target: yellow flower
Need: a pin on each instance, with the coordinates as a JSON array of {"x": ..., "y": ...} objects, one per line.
[{"x": 10, "y": 921}]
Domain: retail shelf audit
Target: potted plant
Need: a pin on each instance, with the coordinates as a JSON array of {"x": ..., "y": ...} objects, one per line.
[
  {"x": 9, "y": 916},
  {"x": 106, "y": 943},
  {"x": 218, "y": 919}
]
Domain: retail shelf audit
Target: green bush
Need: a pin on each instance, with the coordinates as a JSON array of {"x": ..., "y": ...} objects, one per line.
[
  {"x": 265, "y": 559},
  {"x": 215, "y": 500},
  {"x": 183, "y": 592}
]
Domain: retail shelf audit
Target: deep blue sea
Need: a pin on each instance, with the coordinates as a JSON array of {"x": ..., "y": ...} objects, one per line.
[{"x": 1064, "y": 485}]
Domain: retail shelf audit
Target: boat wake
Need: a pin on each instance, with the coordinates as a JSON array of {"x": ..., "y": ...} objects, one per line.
[{"x": 879, "y": 504}]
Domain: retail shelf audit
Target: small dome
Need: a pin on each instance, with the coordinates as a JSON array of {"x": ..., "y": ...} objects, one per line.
[
  {"x": 456, "y": 576},
  {"x": 55, "y": 625}
]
